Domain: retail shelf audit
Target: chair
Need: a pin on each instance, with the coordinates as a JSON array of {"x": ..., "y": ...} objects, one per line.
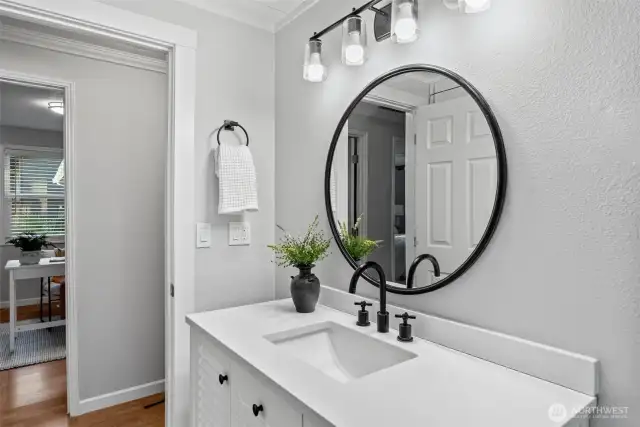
[{"x": 54, "y": 290}]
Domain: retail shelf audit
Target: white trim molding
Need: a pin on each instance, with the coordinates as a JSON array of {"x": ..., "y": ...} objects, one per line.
[
  {"x": 362, "y": 196},
  {"x": 120, "y": 396},
  {"x": 75, "y": 47},
  {"x": 294, "y": 14},
  {"x": 100, "y": 19}
]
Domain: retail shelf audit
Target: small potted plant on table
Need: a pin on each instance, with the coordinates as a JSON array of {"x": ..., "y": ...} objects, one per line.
[
  {"x": 31, "y": 245},
  {"x": 303, "y": 252}
]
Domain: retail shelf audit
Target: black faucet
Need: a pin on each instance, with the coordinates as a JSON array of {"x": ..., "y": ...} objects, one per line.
[
  {"x": 416, "y": 263},
  {"x": 383, "y": 314}
]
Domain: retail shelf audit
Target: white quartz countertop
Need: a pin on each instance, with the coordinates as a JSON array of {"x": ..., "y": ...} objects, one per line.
[{"x": 439, "y": 388}]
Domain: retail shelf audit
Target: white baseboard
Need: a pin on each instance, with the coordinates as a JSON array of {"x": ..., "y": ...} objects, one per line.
[
  {"x": 22, "y": 302},
  {"x": 120, "y": 396}
]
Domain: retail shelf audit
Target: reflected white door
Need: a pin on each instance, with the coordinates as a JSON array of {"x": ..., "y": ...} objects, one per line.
[{"x": 455, "y": 182}]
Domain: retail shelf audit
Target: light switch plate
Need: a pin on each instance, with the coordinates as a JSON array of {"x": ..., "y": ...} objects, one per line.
[
  {"x": 239, "y": 234},
  {"x": 203, "y": 235}
]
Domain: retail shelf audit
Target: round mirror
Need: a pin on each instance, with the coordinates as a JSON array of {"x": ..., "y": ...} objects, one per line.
[{"x": 416, "y": 167}]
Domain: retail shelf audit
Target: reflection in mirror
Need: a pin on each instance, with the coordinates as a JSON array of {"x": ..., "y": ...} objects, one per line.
[{"x": 414, "y": 172}]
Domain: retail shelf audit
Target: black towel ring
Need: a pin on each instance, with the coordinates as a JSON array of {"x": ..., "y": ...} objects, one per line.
[{"x": 231, "y": 125}]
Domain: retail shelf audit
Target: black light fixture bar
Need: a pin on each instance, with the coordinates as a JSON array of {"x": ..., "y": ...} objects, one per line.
[
  {"x": 367, "y": 6},
  {"x": 379, "y": 11}
]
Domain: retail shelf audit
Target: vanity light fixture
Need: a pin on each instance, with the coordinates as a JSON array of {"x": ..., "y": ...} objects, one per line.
[
  {"x": 354, "y": 41},
  {"x": 314, "y": 69},
  {"x": 404, "y": 21},
  {"x": 468, "y": 6},
  {"x": 57, "y": 107},
  {"x": 400, "y": 15}
]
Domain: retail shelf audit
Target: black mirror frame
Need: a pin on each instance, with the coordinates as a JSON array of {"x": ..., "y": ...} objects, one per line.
[{"x": 501, "y": 188}]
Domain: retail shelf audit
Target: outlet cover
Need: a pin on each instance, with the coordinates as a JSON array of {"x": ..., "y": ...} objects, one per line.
[{"x": 239, "y": 234}]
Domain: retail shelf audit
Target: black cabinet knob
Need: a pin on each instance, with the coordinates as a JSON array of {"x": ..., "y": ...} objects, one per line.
[
  {"x": 257, "y": 409},
  {"x": 222, "y": 378}
]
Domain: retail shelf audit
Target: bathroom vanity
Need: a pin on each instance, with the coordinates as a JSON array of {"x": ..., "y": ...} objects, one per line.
[
  {"x": 266, "y": 365},
  {"x": 416, "y": 166}
]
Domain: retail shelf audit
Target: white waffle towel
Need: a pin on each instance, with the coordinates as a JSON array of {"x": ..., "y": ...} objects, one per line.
[{"x": 237, "y": 178}]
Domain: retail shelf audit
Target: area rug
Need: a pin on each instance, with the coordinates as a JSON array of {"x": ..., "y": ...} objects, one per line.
[{"x": 32, "y": 347}]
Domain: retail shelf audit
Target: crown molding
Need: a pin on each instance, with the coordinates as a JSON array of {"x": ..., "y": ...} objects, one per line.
[
  {"x": 264, "y": 17},
  {"x": 231, "y": 9},
  {"x": 87, "y": 50},
  {"x": 294, "y": 14}
]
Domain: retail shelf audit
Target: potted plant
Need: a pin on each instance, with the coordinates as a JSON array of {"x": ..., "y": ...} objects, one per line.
[
  {"x": 303, "y": 252},
  {"x": 31, "y": 245},
  {"x": 359, "y": 247}
]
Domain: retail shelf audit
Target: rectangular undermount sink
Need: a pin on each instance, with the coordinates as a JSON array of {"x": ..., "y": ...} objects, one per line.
[{"x": 339, "y": 352}]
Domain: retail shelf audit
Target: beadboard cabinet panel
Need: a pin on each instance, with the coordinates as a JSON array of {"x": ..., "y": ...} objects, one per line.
[
  {"x": 224, "y": 392},
  {"x": 210, "y": 398}
]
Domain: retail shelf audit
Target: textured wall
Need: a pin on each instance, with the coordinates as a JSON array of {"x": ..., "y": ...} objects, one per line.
[{"x": 563, "y": 79}]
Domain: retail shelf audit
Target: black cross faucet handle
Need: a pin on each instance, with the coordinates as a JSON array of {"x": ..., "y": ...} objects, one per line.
[
  {"x": 405, "y": 317},
  {"x": 363, "y": 304}
]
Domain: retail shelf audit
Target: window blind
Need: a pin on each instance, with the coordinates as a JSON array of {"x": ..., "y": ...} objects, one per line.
[{"x": 36, "y": 204}]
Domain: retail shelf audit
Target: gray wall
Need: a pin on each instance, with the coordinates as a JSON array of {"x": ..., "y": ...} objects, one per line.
[
  {"x": 381, "y": 126},
  {"x": 562, "y": 77},
  {"x": 235, "y": 80},
  {"x": 11, "y": 135},
  {"x": 120, "y": 146}
]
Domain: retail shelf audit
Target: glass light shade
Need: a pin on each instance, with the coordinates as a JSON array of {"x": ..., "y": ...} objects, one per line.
[
  {"x": 56, "y": 107},
  {"x": 468, "y": 6},
  {"x": 314, "y": 69},
  {"x": 404, "y": 21},
  {"x": 475, "y": 6},
  {"x": 354, "y": 41}
]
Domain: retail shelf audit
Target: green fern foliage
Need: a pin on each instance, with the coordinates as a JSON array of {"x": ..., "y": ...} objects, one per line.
[
  {"x": 302, "y": 251},
  {"x": 359, "y": 247},
  {"x": 30, "y": 242}
]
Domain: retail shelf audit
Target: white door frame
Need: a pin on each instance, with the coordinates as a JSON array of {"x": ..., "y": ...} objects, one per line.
[
  {"x": 362, "y": 144},
  {"x": 394, "y": 140},
  {"x": 180, "y": 43}
]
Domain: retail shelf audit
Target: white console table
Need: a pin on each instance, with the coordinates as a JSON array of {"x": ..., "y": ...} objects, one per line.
[{"x": 20, "y": 272}]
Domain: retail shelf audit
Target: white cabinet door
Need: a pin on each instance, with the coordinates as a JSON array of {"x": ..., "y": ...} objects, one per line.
[
  {"x": 309, "y": 419},
  {"x": 210, "y": 385},
  {"x": 246, "y": 392}
]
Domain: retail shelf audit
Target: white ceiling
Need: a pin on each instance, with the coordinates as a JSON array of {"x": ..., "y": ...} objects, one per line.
[
  {"x": 267, "y": 14},
  {"x": 27, "y": 107},
  {"x": 417, "y": 83}
]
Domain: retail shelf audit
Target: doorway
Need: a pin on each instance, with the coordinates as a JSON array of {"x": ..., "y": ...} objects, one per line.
[
  {"x": 377, "y": 144},
  {"x": 179, "y": 45},
  {"x": 32, "y": 224}
]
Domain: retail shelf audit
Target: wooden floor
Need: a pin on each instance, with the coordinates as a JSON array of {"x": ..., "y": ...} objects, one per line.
[
  {"x": 36, "y": 396},
  {"x": 31, "y": 312}
]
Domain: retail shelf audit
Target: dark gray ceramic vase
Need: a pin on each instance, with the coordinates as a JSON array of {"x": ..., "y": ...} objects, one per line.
[{"x": 305, "y": 290}]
